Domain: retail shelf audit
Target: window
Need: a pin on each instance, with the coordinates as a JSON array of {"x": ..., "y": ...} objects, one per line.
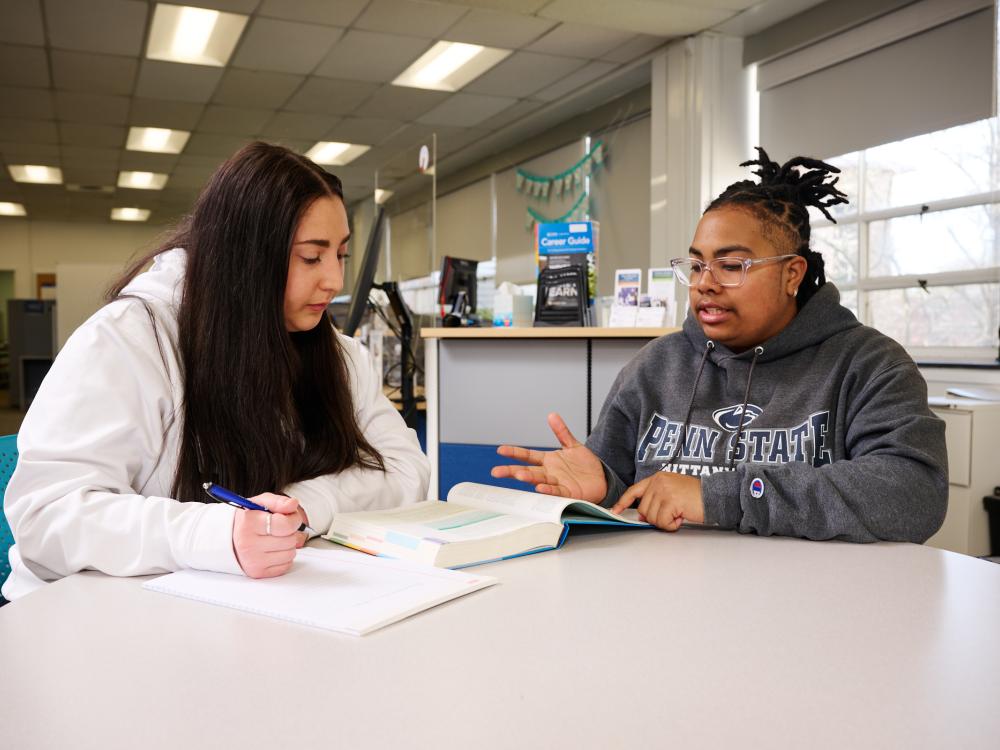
[{"x": 917, "y": 252}]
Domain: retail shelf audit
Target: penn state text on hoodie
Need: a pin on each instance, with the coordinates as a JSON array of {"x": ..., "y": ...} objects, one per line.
[{"x": 822, "y": 431}]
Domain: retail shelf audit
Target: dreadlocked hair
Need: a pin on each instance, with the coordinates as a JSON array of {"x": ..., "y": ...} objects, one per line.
[{"x": 781, "y": 201}]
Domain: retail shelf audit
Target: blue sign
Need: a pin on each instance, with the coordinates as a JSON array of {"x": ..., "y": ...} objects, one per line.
[{"x": 562, "y": 238}]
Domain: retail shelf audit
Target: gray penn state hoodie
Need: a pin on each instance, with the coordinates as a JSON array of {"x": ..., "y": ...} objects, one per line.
[{"x": 835, "y": 441}]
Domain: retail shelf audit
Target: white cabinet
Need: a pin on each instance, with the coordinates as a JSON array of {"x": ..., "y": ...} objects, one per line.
[{"x": 972, "y": 433}]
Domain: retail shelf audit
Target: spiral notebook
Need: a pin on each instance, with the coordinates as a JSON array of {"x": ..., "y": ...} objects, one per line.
[{"x": 347, "y": 592}]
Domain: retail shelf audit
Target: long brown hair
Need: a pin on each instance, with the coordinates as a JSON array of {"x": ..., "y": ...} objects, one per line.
[{"x": 262, "y": 407}]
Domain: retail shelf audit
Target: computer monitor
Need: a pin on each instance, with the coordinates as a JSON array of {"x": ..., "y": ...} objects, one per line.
[
  {"x": 457, "y": 292},
  {"x": 363, "y": 285}
]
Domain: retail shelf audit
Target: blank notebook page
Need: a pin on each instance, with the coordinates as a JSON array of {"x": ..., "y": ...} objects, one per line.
[{"x": 345, "y": 591}]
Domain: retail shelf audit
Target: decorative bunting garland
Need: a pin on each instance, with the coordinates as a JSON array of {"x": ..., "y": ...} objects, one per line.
[
  {"x": 570, "y": 179},
  {"x": 573, "y": 214}
]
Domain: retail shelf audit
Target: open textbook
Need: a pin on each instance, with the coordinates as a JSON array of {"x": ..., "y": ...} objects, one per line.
[
  {"x": 329, "y": 589},
  {"x": 479, "y": 523}
]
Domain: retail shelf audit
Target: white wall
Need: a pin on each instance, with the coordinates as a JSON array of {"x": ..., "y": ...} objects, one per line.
[{"x": 31, "y": 247}]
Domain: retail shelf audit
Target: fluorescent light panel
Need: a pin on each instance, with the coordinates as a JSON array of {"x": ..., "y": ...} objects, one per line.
[
  {"x": 448, "y": 66},
  {"x": 381, "y": 196},
  {"x": 335, "y": 154},
  {"x": 36, "y": 174},
  {"x": 129, "y": 214},
  {"x": 199, "y": 36},
  {"x": 142, "y": 180},
  {"x": 157, "y": 140},
  {"x": 12, "y": 209}
]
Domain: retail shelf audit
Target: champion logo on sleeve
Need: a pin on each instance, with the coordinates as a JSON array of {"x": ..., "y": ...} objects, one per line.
[{"x": 757, "y": 488}]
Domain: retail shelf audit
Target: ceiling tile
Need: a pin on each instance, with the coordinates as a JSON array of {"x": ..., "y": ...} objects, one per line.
[
  {"x": 466, "y": 110},
  {"x": 177, "y": 81},
  {"x": 89, "y": 156},
  {"x": 90, "y": 175},
  {"x": 233, "y": 120},
  {"x": 591, "y": 71},
  {"x": 159, "y": 113},
  {"x": 144, "y": 161},
  {"x": 31, "y": 104},
  {"x": 298, "y": 125},
  {"x": 23, "y": 66},
  {"x": 451, "y": 140},
  {"x": 367, "y": 130},
  {"x": 411, "y": 17},
  {"x": 495, "y": 29},
  {"x": 104, "y": 109},
  {"x": 520, "y": 110},
  {"x": 89, "y": 134},
  {"x": 636, "y": 47},
  {"x": 370, "y": 56},
  {"x": 28, "y": 131},
  {"x": 284, "y": 46},
  {"x": 339, "y": 13},
  {"x": 189, "y": 177},
  {"x": 22, "y": 22},
  {"x": 638, "y": 16},
  {"x": 523, "y": 73},
  {"x": 330, "y": 97},
  {"x": 508, "y": 6},
  {"x": 85, "y": 71},
  {"x": 210, "y": 163},
  {"x": 400, "y": 103},
  {"x": 28, "y": 153},
  {"x": 115, "y": 27},
  {"x": 576, "y": 40},
  {"x": 268, "y": 90},
  {"x": 230, "y": 6},
  {"x": 210, "y": 144}
]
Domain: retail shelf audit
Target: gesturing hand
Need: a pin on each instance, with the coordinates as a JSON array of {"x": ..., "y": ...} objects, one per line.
[
  {"x": 667, "y": 500},
  {"x": 572, "y": 471},
  {"x": 265, "y": 543}
]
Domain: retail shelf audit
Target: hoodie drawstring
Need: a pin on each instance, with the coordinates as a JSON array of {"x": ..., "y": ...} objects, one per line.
[
  {"x": 757, "y": 351},
  {"x": 709, "y": 346}
]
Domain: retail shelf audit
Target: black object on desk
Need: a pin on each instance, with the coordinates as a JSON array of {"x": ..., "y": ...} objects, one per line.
[{"x": 562, "y": 298}]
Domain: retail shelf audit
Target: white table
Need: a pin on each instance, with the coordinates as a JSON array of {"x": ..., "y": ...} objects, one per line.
[{"x": 622, "y": 639}]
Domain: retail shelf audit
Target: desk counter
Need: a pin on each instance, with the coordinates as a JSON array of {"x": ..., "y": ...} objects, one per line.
[
  {"x": 638, "y": 639},
  {"x": 489, "y": 386}
]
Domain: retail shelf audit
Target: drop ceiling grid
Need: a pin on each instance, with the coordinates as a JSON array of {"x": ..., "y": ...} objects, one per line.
[{"x": 73, "y": 78}]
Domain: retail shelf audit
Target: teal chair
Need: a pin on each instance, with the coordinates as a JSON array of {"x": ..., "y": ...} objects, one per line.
[{"x": 8, "y": 460}]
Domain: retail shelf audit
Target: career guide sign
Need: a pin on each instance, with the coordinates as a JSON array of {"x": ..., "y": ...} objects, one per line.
[{"x": 564, "y": 244}]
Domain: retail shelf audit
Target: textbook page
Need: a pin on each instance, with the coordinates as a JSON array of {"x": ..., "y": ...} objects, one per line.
[
  {"x": 347, "y": 592},
  {"x": 535, "y": 505}
]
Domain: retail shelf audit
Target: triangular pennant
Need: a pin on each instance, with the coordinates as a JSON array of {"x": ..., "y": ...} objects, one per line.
[
  {"x": 557, "y": 187},
  {"x": 577, "y": 178},
  {"x": 519, "y": 182},
  {"x": 568, "y": 182},
  {"x": 599, "y": 153},
  {"x": 545, "y": 189}
]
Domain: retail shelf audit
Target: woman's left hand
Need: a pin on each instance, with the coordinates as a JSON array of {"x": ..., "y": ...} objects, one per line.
[{"x": 667, "y": 500}]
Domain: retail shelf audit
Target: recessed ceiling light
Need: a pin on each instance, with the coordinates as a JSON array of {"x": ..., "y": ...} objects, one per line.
[
  {"x": 142, "y": 180},
  {"x": 448, "y": 66},
  {"x": 381, "y": 196},
  {"x": 334, "y": 153},
  {"x": 35, "y": 173},
  {"x": 184, "y": 34},
  {"x": 129, "y": 214},
  {"x": 158, "y": 140},
  {"x": 12, "y": 209}
]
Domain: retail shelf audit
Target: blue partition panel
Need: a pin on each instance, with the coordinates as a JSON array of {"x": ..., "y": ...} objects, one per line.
[{"x": 462, "y": 462}]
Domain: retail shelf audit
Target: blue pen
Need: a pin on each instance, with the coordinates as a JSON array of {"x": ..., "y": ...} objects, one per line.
[{"x": 226, "y": 496}]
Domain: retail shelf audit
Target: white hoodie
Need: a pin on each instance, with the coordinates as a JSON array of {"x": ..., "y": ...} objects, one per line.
[{"x": 98, "y": 451}]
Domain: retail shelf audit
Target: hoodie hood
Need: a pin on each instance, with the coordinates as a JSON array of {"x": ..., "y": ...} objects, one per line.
[
  {"x": 163, "y": 281},
  {"x": 822, "y": 317}
]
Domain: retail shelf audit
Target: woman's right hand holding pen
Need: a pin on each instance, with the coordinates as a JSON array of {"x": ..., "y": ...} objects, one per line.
[{"x": 265, "y": 543}]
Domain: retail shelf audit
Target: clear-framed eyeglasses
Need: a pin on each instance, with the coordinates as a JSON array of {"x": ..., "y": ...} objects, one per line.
[{"x": 726, "y": 271}]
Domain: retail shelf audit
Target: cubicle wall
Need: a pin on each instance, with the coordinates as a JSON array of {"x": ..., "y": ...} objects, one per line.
[{"x": 498, "y": 389}]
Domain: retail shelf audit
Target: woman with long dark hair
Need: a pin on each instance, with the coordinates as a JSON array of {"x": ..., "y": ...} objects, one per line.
[{"x": 219, "y": 364}]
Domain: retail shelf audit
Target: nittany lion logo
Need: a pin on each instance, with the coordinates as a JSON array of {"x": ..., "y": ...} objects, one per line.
[{"x": 729, "y": 418}]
